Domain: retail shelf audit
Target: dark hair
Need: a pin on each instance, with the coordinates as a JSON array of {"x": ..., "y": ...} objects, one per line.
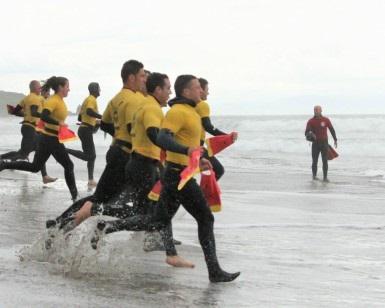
[
  {"x": 130, "y": 67},
  {"x": 182, "y": 82},
  {"x": 203, "y": 82},
  {"x": 155, "y": 80},
  {"x": 54, "y": 83}
]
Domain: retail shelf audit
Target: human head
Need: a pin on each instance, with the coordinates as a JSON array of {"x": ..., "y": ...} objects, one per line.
[
  {"x": 158, "y": 85},
  {"x": 60, "y": 85},
  {"x": 133, "y": 75},
  {"x": 317, "y": 111},
  {"x": 205, "y": 88},
  {"x": 94, "y": 89},
  {"x": 144, "y": 89},
  {"x": 188, "y": 86},
  {"x": 34, "y": 87}
]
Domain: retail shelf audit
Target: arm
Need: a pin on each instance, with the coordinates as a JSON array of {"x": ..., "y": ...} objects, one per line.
[
  {"x": 45, "y": 116},
  {"x": 165, "y": 140},
  {"x": 18, "y": 111},
  {"x": 91, "y": 113},
  {"x": 108, "y": 128},
  {"x": 35, "y": 112},
  {"x": 206, "y": 123},
  {"x": 152, "y": 134}
]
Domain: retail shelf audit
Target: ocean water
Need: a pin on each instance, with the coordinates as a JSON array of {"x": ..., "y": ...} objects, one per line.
[{"x": 297, "y": 242}]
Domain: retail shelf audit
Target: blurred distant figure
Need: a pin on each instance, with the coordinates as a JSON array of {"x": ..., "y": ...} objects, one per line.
[
  {"x": 316, "y": 131},
  {"x": 54, "y": 115},
  {"x": 90, "y": 121},
  {"x": 30, "y": 109}
]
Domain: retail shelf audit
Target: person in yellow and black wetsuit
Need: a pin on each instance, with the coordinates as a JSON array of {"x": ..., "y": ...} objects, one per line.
[
  {"x": 54, "y": 115},
  {"x": 116, "y": 121},
  {"x": 30, "y": 108},
  {"x": 90, "y": 120},
  {"x": 203, "y": 109},
  {"x": 180, "y": 136}
]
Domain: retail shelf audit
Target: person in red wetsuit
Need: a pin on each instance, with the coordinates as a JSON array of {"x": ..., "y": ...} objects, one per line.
[{"x": 317, "y": 126}]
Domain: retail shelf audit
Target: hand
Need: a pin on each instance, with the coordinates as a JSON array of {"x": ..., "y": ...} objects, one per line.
[
  {"x": 204, "y": 164},
  {"x": 98, "y": 121},
  {"x": 335, "y": 144},
  {"x": 234, "y": 135},
  {"x": 63, "y": 124},
  {"x": 191, "y": 150}
]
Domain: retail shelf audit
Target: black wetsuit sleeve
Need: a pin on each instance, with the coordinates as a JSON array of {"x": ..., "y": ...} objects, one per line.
[
  {"x": 17, "y": 111},
  {"x": 34, "y": 111},
  {"x": 93, "y": 114},
  {"x": 166, "y": 141},
  {"x": 333, "y": 132},
  {"x": 206, "y": 123},
  {"x": 307, "y": 131},
  {"x": 108, "y": 128},
  {"x": 45, "y": 116},
  {"x": 152, "y": 134}
]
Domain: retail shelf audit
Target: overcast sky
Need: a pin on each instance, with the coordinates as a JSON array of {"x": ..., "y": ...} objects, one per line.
[{"x": 259, "y": 56}]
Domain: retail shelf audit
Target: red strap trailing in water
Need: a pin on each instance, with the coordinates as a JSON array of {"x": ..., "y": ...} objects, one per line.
[
  {"x": 332, "y": 153},
  {"x": 211, "y": 190},
  {"x": 218, "y": 143}
]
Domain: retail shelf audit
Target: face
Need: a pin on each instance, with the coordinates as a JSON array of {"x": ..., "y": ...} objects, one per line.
[
  {"x": 37, "y": 88},
  {"x": 63, "y": 91},
  {"x": 317, "y": 111},
  {"x": 205, "y": 93},
  {"x": 163, "y": 94},
  {"x": 193, "y": 92},
  {"x": 140, "y": 80}
]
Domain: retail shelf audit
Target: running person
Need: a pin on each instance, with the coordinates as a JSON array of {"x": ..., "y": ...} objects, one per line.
[
  {"x": 54, "y": 115},
  {"x": 319, "y": 125},
  {"x": 180, "y": 136},
  {"x": 90, "y": 120},
  {"x": 203, "y": 109}
]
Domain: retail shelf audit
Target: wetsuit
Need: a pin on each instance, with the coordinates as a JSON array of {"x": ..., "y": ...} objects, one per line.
[
  {"x": 319, "y": 126},
  {"x": 180, "y": 130},
  {"x": 116, "y": 121},
  {"x": 55, "y": 111},
  {"x": 203, "y": 109},
  {"x": 88, "y": 115},
  {"x": 29, "y": 137}
]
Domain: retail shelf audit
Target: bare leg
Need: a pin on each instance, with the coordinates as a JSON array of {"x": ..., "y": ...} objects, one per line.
[
  {"x": 83, "y": 213},
  {"x": 177, "y": 261}
]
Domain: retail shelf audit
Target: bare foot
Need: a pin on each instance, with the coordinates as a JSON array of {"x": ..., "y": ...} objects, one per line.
[
  {"x": 83, "y": 213},
  {"x": 177, "y": 261},
  {"x": 47, "y": 179},
  {"x": 92, "y": 183}
]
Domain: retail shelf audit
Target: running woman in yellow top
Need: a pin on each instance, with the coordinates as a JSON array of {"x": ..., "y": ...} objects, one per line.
[
  {"x": 54, "y": 115},
  {"x": 90, "y": 120}
]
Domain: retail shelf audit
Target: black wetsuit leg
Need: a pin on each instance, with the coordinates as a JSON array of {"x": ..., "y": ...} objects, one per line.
[
  {"x": 317, "y": 148},
  {"x": 89, "y": 154},
  {"x": 28, "y": 144},
  {"x": 113, "y": 178}
]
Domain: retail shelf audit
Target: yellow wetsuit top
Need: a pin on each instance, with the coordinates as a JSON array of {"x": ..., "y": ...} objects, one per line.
[
  {"x": 56, "y": 105},
  {"x": 203, "y": 109},
  {"x": 119, "y": 112},
  {"x": 149, "y": 114},
  {"x": 185, "y": 123},
  {"x": 89, "y": 102},
  {"x": 26, "y": 103}
]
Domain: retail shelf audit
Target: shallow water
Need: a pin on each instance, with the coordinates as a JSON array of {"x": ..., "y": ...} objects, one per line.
[{"x": 297, "y": 242}]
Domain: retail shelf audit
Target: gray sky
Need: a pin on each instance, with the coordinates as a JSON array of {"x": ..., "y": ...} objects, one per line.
[{"x": 260, "y": 56}]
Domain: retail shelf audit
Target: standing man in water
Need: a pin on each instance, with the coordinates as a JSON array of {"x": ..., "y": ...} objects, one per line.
[{"x": 318, "y": 125}]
